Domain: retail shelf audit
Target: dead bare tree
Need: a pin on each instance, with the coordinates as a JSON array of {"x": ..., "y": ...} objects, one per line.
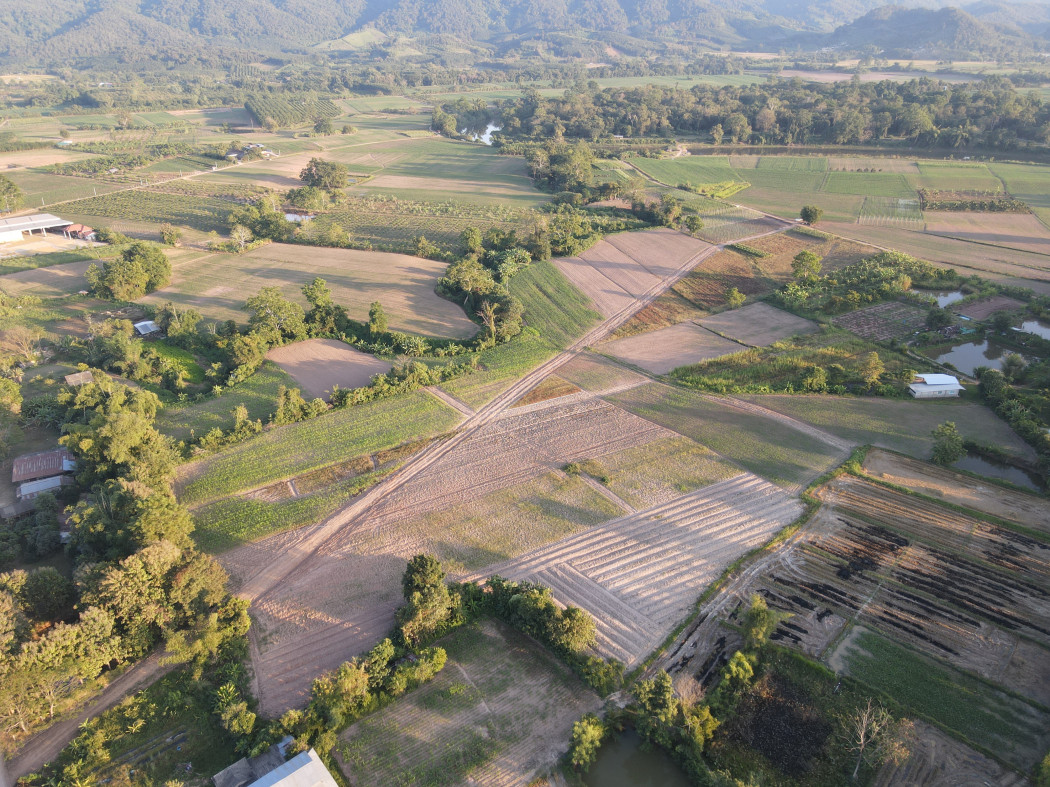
[{"x": 876, "y": 736}]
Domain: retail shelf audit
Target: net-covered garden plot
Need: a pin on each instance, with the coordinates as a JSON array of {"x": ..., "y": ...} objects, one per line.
[{"x": 891, "y": 212}]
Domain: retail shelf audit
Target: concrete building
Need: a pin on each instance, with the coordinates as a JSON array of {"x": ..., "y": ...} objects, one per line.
[{"x": 934, "y": 386}]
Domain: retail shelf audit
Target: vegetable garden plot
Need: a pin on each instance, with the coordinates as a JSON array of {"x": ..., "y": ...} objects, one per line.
[{"x": 883, "y": 321}]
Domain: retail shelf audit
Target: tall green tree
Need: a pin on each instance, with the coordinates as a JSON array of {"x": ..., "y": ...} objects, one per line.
[
  {"x": 327, "y": 175},
  {"x": 947, "y": 444}
]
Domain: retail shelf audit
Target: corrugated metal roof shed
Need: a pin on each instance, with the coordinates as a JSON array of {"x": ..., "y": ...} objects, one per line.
[
  {"x": 42, "y": 465},
  {"x": 79, "y": 378},
  {"x": 938, "y": 379}
]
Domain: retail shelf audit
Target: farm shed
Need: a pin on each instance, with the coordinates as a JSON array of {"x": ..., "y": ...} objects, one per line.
[
  {"x": 79, "y": 378},
  {"x": 270, "y": 770},
  {"x": 43, "y": 464},
  {"x": 146, "y": 327},
  {"x": 934, "y": 386},
  {"x": 31, "y": 489},
  {"x": 11, "y": 230}
]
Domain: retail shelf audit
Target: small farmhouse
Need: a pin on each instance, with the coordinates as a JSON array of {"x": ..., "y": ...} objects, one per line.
[{"x": 934, "y": 386}]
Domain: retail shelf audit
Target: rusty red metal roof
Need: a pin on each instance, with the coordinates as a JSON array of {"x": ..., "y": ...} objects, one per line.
[{"x": 41, "y": 465}]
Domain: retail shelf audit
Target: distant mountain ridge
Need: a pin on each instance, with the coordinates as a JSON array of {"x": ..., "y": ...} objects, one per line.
[{"x": 70, "y": 31}]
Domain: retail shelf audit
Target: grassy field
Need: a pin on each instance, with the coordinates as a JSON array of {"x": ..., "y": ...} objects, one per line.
[
  {"x": 955, "y": 176},
  {"x": 217, "y": 285},
  {"x": 495, "y": 715},
  {"x": 995, "y": 721},
  {"x": 762, "y": 445},
  {"x": 555, "y": 308},
  {"x": 898, "y": 424},
  {"x": 662, "y": 470},
  {"x": 298, "y": 448},
  {"x": 501, "y": 366},
  {"x": 42, "y": 188},
  {"x": 864, "y": 184},
  {"x": 17, "y": 264},
  {"x": 509, "y": 522},
  {"x": 258, "y": 394},
  {"x": 793, "y": 163},
  {"x": 695, "y": 170}
]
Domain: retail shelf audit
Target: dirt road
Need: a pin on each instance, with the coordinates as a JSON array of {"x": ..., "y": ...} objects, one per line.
[
  {"x": 294, "y": 559},
  {"x": 45, "y": 746}
]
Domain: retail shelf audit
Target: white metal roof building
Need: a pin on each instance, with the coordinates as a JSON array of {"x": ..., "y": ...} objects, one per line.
[
  {"x": 12, "y": 229},
  {"x": 303, "y": 770},
  {"x": 934, "y": 386}
]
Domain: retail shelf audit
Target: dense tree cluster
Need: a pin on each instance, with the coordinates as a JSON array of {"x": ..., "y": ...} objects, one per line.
[
  {"x": 141, "y": 268},
  {"x": 925, "y": 112}
]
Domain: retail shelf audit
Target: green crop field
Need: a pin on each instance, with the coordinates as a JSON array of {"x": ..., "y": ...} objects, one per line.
[
  {"x": 868, "y": 184},
  {"x": 234, "y": 521},
  {"x": 501, "y": 366},
  {"x": 695, "y": 170},
  {"x": 899, "y": 424},
  {"x": 994, "y": 720},
  {"x": 760, "y": 444},
  {"x": 142, "y": 205},
  {"x": 793, "y": 163},
  {"x": 553, "y": 306},
  {"x": 955, "y": 176},
  {"x": 1027, "y": 182},
  {"x": 289, "y": 450},
  {"x": 258, "y": 394},
  {"x": 43, "y": 188},
  {"x": 16, "y": 264}
]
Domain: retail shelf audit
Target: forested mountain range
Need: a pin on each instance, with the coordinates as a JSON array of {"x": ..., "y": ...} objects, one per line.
[{"x": 48, "y": 32}]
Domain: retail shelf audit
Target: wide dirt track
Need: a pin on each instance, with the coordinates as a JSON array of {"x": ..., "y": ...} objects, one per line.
[{"x": 280, "y": 574}]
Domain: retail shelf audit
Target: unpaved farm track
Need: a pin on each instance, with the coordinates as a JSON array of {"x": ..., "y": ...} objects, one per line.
[{"x": 309, "y": 543}]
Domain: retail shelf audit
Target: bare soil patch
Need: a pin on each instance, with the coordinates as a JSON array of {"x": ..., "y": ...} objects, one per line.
[
  {"x": 553, "y": 387},
  {"x": 48, "y": 282},
  {"x": 640, "y": 574},
  {"x": 963, "y": 490},
  {"x": 217, "y": 285},
  {"x": 758, "y": 324},
  {"x": 620, "y": 268},
  {"x": 599, "y": 375},
  {"x": 1016, "y": 230},
  {"x": 668, "y": 348},
  {"x": 320, "y": 364},
  {"x": 937, "y": 760},
  {"x": 982, "y": 310},
  {"x": 883, "y": 321},
  {"x": 501, "y": 702}
]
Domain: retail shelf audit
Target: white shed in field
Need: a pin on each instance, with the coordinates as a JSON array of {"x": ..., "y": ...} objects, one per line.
[{"x": 934, "y": 386}]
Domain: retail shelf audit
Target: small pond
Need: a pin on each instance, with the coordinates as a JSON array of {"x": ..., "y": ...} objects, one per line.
[
  {"x": 993, "y": 469},
  {"x": 482, "y": 136},
  {"x": 943, "y": 297},
  {"x": 622, "y": 763},
  {"x": 967, "y": 357},
  {"x": 1038, "y": 327}
]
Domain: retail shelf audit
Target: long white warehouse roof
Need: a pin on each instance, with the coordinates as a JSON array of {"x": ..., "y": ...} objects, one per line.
[
  {"x": 938, "y": 379},
  {"x": 38, "y": 221}
]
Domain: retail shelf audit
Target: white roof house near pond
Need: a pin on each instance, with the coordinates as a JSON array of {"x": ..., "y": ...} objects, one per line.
[{"x": 934, "y": 386}]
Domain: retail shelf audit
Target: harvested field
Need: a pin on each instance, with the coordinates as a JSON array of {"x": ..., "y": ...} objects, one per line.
[
  {"x": 217, "y": 285},
  {"x": 883, "y": 321},
  {"x": 936, "y": 760},
  {"x": 897, "y": 424},
  {"x": 769, "y": 447},
  {"x": 49, "y": 282},
  {"x": 621, "y": 267},
  {"x": 499, "y": 712},
  {"x": 707, "y": 284},
  {"x": 982, "y": 310},
  {"x": 489, "y": 498},
  {"x": 903, "y": 593},
  {"x": 553, "y": 387},
  {"x": 662, "y": 470},
  {"x": 668, "y": 348},
  {"x": 318, "y": 365},
  {"x": 758, "y": 324},
  {"x": 1015, "y": 230},
  {"x": 959, "y": 489},
  {"x": 668, "y": 309},
  {"x": 639, "y": 575}
]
